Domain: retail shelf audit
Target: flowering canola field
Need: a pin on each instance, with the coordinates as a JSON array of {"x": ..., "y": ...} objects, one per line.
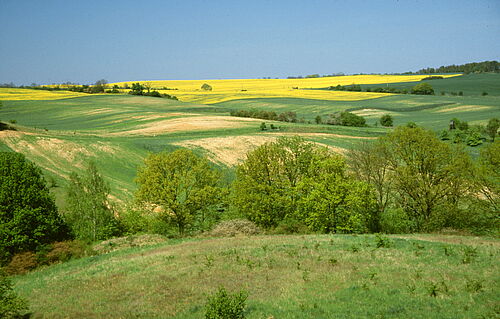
[
  {"x": 226, "y": 90},
  {"x": 29, "y": 94}
]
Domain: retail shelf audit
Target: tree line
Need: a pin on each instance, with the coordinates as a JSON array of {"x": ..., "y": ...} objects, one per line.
[{"x": 474, "y": 67}]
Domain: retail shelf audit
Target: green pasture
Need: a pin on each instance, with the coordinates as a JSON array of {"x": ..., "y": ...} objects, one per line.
[{"x": 311, "y": 276}]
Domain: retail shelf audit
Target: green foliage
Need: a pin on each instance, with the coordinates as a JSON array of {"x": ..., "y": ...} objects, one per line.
[
  {"x": 11, "y": 305},
  {"x": 492, "y": 128},
  {"x": 427, "y": 172},
  {"x": 386, "y": 120},
  {"x": 291, "y": 178},
  {"x": 318, "y": 119},
  {"x": 346, "y": 119},
  {"x": 28, "y": 214},
  {"x": 206, "y": 87},
  {"x": 263, "y": 126},
  {"x": 423, "y": 88},
  {"x": 488, "y": 176},
  {"x": 89, "y": 212},
  {"x": 181, "y": 184},
  {"x": 395, "y": 221},
  {"x": 224, "y": 305}
]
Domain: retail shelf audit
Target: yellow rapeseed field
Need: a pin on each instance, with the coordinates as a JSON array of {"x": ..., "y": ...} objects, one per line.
[
  {"x": 29, "y": 94},
  {"x": 226, "y": 90}
]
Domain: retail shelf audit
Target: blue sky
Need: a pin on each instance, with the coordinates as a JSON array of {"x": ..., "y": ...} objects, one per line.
[{"x": 82, "y": 41}]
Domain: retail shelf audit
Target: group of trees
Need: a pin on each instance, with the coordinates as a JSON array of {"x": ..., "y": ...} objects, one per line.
[
  {"x": 423, "y": 88},
  {"x": 147, "y": 90},
  {"x": 287, "y": 116},
  {"x": 472, "y": 135},
  {"x": 475, "y": 67}
]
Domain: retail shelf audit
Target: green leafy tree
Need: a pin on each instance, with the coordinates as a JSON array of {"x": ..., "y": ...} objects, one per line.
[
  {"x": 427, "y": 173},
  {"x": 386, "y": 120},
  {"x": 333, "y": 202},
  {"x": 11, "y": 305},
  {"x": 318, "y": 119},
  {"x": 137, "y": 89},
  {"x": 28, "y": 214},
  {"x": 423, "y": 88},
  {"x": 181, "y": 183},
  {"x": 492, "y": 128},
  {"x": 370, "y": 163},
  {"x": 284, "y": 179},
  {"x": 489, "y": 174},
  {"x": 88, "y": 210}
]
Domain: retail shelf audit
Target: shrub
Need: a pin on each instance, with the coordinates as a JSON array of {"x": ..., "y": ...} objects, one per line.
[
  {"x": 206, "y": 87},
  {"x": 386, "y": 120},
  {"x": 11, "y": 305},
  {"x": 395, "y": 221},
  {"x": 291, "y": 225},
  {"x": 346, "y": 119},
  {"x": 224, "y": 305},
  {"x": 22, "y": 263},
  {"x": 423, "y": 88},
  {"x": 66, "y": 250},
  {"x": 230, "y": 228}
]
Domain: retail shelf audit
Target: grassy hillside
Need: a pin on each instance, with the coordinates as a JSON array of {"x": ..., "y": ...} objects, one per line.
[{"x": 313, "y": 276}]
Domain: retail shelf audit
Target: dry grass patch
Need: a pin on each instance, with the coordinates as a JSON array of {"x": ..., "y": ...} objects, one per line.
[
  {"x": 464, "y": 108},
  {"x": 195, "y": 123}
]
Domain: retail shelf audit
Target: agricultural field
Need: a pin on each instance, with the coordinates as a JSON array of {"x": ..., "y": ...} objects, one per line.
[
  {"x": 118, "y": 131},
  {"x": 299, "y": 276},
  {"x": 228, "y": 90},
  {"x": 14, "y": 94}
]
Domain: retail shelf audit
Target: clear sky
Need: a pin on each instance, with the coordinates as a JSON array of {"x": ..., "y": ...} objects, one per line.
[{"x": 54, "y": 41}]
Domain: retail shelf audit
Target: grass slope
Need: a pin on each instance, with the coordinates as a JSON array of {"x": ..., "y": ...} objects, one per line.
[{"x": 313, "y": 276}]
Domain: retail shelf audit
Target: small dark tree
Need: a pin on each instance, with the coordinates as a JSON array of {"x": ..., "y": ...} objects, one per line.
[
  {"x": 206, "y": 87},
  {"x": 492, "y": 128},
  {"x": 99, "y": 86},
  {"x": 386, "y": 120},
  {"x": 137, "y": 89},
  {"x": 318, "y": 119},
  {"x": 28, "y": 214},
  {"x": 88, "y": 212}
]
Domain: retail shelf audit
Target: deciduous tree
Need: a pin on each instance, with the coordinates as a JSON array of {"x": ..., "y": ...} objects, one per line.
[{"x": 181, "y": 183}]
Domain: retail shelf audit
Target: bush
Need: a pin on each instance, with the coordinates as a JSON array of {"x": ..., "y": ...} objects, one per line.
[
  {"x": 395, "y": 221},
  {"x": 423, "y": 88},
  {"x": 224, "y": 305},
  {"x": 386, "y": 120},
  {"x": 11, "y": 305},
  {"x": 346, "y": 119},
  {"x": 230, "y": 228},
  {"x": 291, "y": 226},
  {"x": 65, "y": 250},
  {"x": 206, "y": 87},
  {"x": 22, "y": 263}
]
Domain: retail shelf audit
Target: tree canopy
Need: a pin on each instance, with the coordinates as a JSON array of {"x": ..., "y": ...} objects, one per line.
[
  {"x": 28, "y": 214},
  {"x": 292, "y": 178},
  {"x": 180, "y": 183}
]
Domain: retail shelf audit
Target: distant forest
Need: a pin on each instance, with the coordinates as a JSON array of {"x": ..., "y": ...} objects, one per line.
[{"x": 474, "y": 67}]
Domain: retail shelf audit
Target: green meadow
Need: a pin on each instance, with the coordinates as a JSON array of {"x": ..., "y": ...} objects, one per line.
[{"x": 309, "y": 276}]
